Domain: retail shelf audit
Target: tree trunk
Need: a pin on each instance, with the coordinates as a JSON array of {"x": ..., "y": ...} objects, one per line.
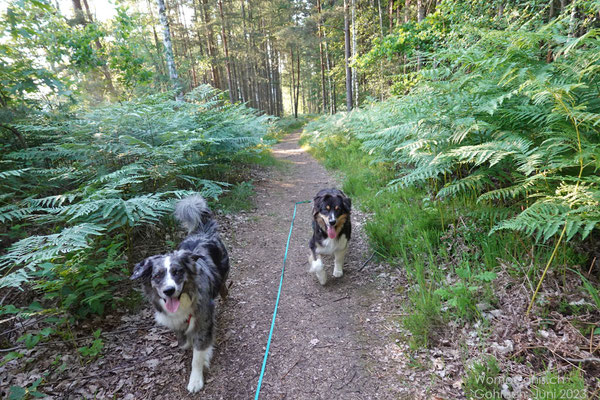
[
  {"x": 210, "y": 45},
  {"x": 161, "y": 67},
  {"x": 420, "y": 17},
  {"x": 332, "y": 99},
  {"x": 226, "y": 50},
  {"x": 354, "y": 53},
  {"x": 381, "y": 75},
  {"x": 347, "y": 56},
  {"x": 406, "y": 11},
  {"x": 322, "y": 58},
  {"x": 390, "y": 13},
  {"x": 293, "y": 87},
  {"x": 573, "y": 22},
  {"x": 295, "y": 82},
  {"x": 162, "y": 14},
  {"x": 420, "y": 11}
]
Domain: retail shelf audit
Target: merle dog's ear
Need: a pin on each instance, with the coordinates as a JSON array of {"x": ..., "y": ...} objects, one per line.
[
  {"x": 187, "y": 259},
  {"x": 142, "y": 268}
]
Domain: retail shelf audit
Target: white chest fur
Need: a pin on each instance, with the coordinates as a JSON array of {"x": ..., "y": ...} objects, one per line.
[
  {"x": 178, "y": 319},
  {"x": 330, "y": 246}
]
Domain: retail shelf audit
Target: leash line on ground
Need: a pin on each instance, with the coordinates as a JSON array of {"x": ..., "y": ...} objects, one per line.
[{"x": 287, "y": 246}]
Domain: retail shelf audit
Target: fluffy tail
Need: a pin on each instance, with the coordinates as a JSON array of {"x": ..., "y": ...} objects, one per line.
[{"x": 193, "y": 213}]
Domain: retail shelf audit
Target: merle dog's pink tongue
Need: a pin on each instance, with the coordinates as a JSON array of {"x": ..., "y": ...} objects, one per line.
[
  {"x": 331, "y": 232},
  {"x": 172, "y": 304}
]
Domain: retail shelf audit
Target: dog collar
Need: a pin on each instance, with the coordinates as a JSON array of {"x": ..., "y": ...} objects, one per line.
[{"x": 189, "y": 319}]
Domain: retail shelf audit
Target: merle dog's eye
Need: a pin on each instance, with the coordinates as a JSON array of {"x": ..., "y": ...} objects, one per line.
[{"x": 159, "y": 274}]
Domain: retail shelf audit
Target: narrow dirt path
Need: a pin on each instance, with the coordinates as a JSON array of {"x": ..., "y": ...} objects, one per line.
[
  {"x": 333, "y": 342},
  {"x": 319, "y": 348}
]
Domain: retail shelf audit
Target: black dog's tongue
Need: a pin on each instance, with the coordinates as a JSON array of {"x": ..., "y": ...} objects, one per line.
[{"x": 331, "y": 232}]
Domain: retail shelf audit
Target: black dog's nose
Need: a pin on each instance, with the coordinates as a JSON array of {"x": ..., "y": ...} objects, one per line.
[
  {"x": 332, "y": 221},
  {"x": 169, "y": 292}
]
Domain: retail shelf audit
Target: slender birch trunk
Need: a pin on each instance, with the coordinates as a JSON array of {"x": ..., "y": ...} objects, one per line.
[{"x": 162, "y": 14}]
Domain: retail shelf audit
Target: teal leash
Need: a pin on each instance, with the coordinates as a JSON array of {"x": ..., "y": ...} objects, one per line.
[{"x": 287, "y": 246}]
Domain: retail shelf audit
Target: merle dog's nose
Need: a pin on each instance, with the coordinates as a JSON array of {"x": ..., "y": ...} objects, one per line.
[{"x": 169, "y": 291}]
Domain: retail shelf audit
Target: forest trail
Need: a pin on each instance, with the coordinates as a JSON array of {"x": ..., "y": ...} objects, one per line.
[
  {"x": 332, "y": 342},
  {"x": 319, "y": 348}
]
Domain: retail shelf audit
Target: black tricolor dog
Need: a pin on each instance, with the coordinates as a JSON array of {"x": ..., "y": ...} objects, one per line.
[
  {"x": 182, "y": 285},
  {"x": 331, "y": 231}
]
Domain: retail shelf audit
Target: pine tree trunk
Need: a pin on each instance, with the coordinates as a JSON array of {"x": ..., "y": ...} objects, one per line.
[
  {"x": 331, "y": 86},
  {"x": 322, "y": 58},
  {"x": 347, "y": 56},
  {"x": 210, "y": 45},
  {"x": 381, "y": 75},
  {"x": 226, "y": 50},
  {"x": 354, "y": 53},
  {"x": 420, "y": 10},
  {"x": 420, "y": 17},
  {"x": 390, "y": 13}
]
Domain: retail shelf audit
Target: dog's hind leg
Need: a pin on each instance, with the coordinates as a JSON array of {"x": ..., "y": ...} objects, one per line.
[
  {"x": 224, "y": 291},
  {"x": 316, "y": 266}
]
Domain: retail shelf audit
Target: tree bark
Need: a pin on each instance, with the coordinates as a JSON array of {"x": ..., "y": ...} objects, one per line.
[
  {"x": 322, "y": 58},
  {"x": 420, "y": 11},
  {"x": 354, "y": 53},
  {"x": 210, "y": 45},
  {"x": 573, "y": 22},
  {"x": 390, "y": 13},
  {"x": 330, "y": 84},
  {"x": 226, "y": 50},
  {"x": 162, "y": 14},
  {"x": 347, "y": 56}
]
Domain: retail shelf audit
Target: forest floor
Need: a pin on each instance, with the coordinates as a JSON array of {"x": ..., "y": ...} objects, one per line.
[{"x": 340, "y": 341}]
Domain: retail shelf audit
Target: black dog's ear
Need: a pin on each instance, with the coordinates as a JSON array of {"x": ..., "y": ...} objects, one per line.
[
  {"x": 316, "y": 205},
  {"x": 142, "y": 268},
  {"x": 347, "y": 203}
]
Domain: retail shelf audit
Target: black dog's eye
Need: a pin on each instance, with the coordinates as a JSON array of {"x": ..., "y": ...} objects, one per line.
[
  {"x": 337, "y": 208},
  {"x": 328, "y": 208}
]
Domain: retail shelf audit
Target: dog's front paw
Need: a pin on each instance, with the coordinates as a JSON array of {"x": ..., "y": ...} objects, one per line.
[
  {"x": 196, "y": 382},
  {"x": 322, "y": 277},
  {"x": 208, "y": 356},
  {"x": 338, "y": 273}
]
